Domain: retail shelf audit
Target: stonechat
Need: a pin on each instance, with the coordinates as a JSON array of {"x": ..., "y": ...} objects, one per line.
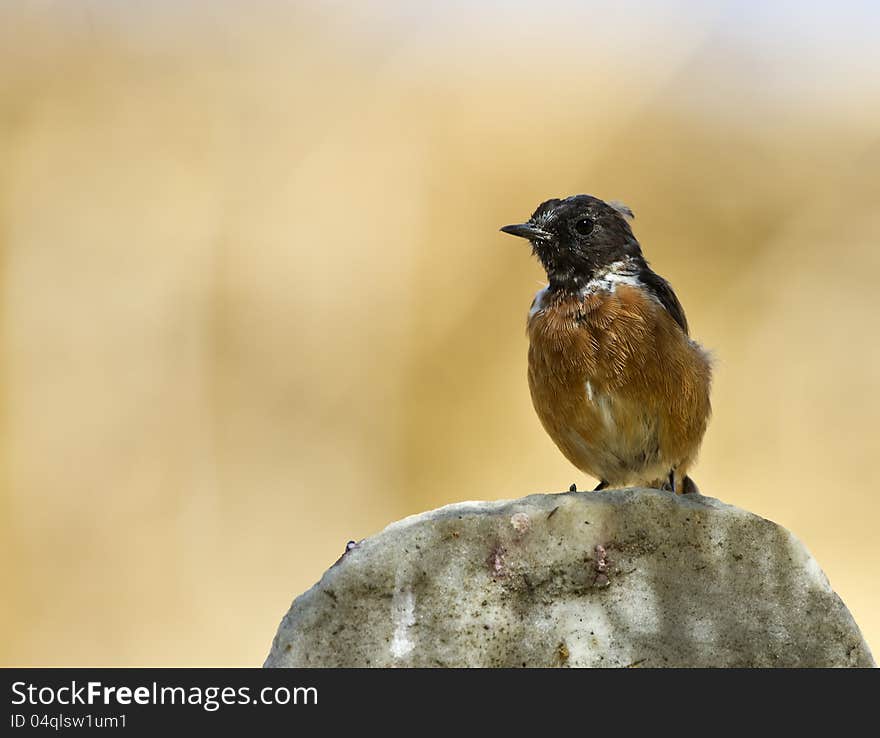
[{"x": 616, "y": 379}]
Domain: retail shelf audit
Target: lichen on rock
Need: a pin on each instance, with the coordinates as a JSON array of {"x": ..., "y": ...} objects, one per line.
[{"x": 631, "y": 577}]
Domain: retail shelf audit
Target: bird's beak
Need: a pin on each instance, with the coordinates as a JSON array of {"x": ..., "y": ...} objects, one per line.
[{"x": 527, "y": 230}]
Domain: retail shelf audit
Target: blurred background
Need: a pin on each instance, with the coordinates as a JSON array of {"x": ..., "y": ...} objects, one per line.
[{"x": 255, "y": 301}]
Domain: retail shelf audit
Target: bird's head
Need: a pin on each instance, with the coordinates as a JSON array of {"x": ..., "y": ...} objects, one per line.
[{"x": 578, "y": 236}]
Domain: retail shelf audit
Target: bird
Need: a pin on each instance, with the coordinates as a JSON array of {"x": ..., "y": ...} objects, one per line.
[{"x": 615, "y": 378}]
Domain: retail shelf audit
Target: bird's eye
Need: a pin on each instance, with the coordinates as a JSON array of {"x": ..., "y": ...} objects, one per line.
[{"x": 583, "y": 226}]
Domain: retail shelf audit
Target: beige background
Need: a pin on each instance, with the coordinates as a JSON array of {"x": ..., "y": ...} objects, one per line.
[{"x": 255, "y": 302}]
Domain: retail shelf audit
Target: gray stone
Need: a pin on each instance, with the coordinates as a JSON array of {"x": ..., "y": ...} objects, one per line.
[{"x": 631, "y": 577}]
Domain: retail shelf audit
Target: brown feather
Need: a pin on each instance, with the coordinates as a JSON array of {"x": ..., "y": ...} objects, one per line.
[{"x": 618, "y": 385}]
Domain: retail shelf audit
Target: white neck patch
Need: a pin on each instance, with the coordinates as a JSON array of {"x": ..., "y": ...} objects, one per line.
[
  {"x": 538, "y": 302},
  {"x": 620, "y": 272}
]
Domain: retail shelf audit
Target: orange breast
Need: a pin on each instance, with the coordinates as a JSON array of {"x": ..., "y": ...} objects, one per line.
[{"x": 618, "y": 386}]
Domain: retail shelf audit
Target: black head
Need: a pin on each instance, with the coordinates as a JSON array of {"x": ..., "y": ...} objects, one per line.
[{"x": 578, "y": 236}]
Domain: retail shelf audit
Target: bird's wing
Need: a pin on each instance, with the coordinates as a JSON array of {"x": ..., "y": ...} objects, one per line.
[{"x": 662, "y": 290}]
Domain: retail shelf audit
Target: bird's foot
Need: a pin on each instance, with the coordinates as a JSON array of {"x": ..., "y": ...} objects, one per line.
[{"x": 602, "y": 485}]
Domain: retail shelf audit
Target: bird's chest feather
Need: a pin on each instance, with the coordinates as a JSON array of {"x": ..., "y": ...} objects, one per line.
[
  {"x": 588, "y": 359},
  {"x": 601, "y": 336}
]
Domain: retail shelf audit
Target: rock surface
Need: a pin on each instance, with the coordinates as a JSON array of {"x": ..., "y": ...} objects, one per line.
[{"x": 630, "y": 577}]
